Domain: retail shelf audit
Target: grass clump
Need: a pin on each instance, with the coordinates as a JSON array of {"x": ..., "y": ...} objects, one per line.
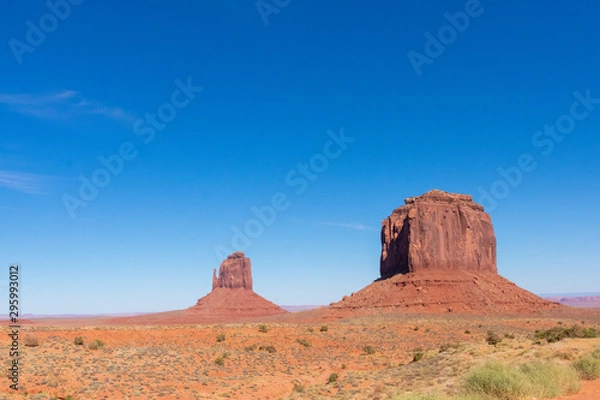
[
  {"x": 369, "y": 350},
  {"x": 263, "y": 328},
  {"x": 588, "y": 366},
  {"x": 250, "y": 348},
  {"x": 221, "y": 337},
  {"x": 303, "y": 342},
  {"x": 333, "y": 377},
  {"x": 323, "y": 328},
  {"x": 497, "y": 380},
  {"x": 548, "y": 380},
  {"x": 418, "y": 355},
  {"x": 220, "y": 360},
  {"x": 95, "y": 344},
  {"x": 505, "y": 382},
  {"x": 78, "y": 341}
]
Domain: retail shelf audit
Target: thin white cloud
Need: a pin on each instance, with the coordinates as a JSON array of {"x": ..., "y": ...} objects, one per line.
[
  {"x": 61, "y": 105},
  {"x": 24, "y": 182}
]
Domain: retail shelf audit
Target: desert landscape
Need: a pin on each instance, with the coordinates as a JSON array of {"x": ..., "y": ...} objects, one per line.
[
  {"x": 299, "y": 200},
  {"x": 438, "y": 323}
]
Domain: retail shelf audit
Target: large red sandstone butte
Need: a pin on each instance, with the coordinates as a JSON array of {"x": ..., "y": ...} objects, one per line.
[
  {"x": 439, "y": 255},
  {"x": 437, "y": 230}
]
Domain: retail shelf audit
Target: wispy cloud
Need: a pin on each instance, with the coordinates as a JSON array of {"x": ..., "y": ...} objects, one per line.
[
  {"x": 359, "y": 227},
  {"x": 24, "y": 182},
  {"x": 61, "y": 105}
]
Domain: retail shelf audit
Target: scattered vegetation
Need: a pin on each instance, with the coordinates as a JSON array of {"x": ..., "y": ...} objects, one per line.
[
  {"x": 303, "y": 342},
  {"x": 369, "y": 350},
  {"x": 250, "y": 348},
  {"x": 332, "y": 378},
  {"x": 298, "y": 388},
  {"x": 220, "y": 361},
  {"x": 263, "y": 328},
  {"x": 221, "y": 337},
  {"x": 559, "y": 333},
  {"x": 492, "y": 338},
  {"x": 78, "y": 341},
  {"x": 323, "y": 328},
  {"x": 418, "y": 355},
  {"x": 447, "y": 346},
  {"x": 268, "y": 349},
  {"x": 467, "y": 332}
]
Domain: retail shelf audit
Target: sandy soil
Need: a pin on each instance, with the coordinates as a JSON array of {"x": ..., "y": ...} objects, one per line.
[{"x": 236, "y": 361}]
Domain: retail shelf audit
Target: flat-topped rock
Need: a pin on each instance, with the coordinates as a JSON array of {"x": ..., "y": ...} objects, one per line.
[{"x": 438, "y": 230}]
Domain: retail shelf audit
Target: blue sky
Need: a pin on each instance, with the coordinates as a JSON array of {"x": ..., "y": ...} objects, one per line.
[{"x": 248, "y": 95}]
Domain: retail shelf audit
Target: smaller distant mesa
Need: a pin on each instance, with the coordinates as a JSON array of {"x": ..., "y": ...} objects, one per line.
[{"x": 234, "y": 272}]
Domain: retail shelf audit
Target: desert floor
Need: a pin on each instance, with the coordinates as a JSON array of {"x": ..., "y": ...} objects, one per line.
[{"x": 372, "y": 357}]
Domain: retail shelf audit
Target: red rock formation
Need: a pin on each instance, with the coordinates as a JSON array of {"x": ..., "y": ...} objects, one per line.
[
  {"x": 232, "y": 297},
  {"x": 439, "y": 255},
  {"x": 234, "y": 272},
  {"x": 437, "y": 230}
]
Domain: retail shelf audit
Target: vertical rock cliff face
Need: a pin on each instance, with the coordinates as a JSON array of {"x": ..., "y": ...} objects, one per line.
[
  {"x": 438, "y": 230},
  {"x": 234, "y": 272}
]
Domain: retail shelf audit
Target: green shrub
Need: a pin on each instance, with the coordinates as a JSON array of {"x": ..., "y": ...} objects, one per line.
[
  {"x": 418, "y": 356},
  {"x": 559, "y": 333},
  {"x": 492, "y": 338},
  {"x": 588, "y": 367},
  {"x": 221, "y": 337},
  {"x": 332, "y": 378},
  {"x": 468, "y": 332},
  {"x": 303, "y": 342},
  {"x": 323, "y": 328},
  {"x": 78, "y": 341},
  {"x": 263, "y": 328},
  {"x": 220, "y": 361},
  {"x": 369, "y": 350}
]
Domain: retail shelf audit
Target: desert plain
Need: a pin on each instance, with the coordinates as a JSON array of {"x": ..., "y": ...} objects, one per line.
[{"x": 439, "y": 323}]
